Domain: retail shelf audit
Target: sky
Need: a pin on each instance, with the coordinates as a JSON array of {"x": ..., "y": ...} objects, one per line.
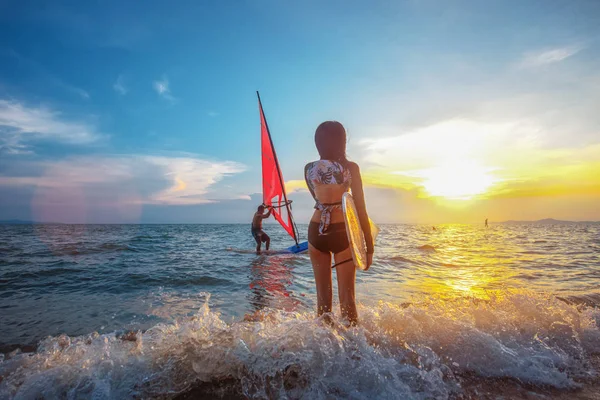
[{"x": 456, "y": 110}]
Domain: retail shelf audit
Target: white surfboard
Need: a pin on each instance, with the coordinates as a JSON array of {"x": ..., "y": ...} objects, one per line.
[{"x": 356, "y": 238}]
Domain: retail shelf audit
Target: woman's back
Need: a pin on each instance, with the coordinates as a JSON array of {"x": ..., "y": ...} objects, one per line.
[{"x": 327, "y": 181}]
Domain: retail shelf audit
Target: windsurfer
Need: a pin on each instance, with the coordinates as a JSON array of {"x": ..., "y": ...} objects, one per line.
[{"x": 257, "y": 232}]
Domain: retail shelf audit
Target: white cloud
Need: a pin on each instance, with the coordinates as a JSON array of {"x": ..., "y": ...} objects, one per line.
[
  {"x": 212, "y": 114},
  {"x": 549, "y": 56},
  {"x": 21, "y": 125},
  {"x": 191, "y": 178},
  {"x": 162, "y": 88},
  {"x": 156, "y": 179},
  {"x": 80, "y": 92},
  {"x": 444, "y": 141},
  {"x": 119, "y": 86}
]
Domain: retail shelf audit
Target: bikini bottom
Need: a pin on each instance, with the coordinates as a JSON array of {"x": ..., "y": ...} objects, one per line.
[{"x": 334, "y": 240}]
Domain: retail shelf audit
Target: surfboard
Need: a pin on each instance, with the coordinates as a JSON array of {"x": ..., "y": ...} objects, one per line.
[
  {"x": 273, "y": 186},
  {"x": 356, "y": 238}
]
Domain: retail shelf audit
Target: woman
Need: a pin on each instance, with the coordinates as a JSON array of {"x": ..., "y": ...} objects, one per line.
[{"x": 328, "y": 179}]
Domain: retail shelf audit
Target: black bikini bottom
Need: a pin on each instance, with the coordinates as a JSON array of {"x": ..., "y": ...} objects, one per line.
[{"x": 334, "y": 240}]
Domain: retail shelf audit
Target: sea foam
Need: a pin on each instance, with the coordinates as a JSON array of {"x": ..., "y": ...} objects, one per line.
[{"x": 430, "y": 348}]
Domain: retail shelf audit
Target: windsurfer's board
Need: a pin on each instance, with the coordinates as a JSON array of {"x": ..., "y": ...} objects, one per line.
[
  {"x": 262, "y": 252},
  {"x": 356, "y": 238},
  {"x": 298, "y": 248}
]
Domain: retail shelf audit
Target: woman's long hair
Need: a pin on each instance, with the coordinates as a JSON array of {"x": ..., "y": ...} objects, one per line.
[{"x": 330, "y": 139}]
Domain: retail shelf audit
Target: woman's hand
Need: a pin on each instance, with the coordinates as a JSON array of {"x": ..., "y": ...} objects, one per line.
[{"x": 369, "y": 261}]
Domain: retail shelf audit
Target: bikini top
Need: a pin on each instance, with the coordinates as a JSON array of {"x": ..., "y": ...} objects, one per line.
[{"x": 326, "y": 172}]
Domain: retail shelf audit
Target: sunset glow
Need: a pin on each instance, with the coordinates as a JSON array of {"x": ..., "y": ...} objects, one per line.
[
  {"x": 450, "y": 129},
  {"x": 460, "y": 180}
]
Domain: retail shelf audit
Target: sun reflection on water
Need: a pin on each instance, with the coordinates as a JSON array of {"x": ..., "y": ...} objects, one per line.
[{"x": 451, "y": 261}]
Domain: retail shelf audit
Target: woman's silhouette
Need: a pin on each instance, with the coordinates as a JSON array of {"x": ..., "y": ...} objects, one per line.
[{"x": 328, "y": 179}]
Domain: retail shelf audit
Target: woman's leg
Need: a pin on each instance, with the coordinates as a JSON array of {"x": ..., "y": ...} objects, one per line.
[
  {"x": 321, "y": 263},
  {"x": 346, "y": 277}
]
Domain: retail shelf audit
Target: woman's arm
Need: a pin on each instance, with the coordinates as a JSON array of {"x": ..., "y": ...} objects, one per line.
[
  {"x": 307, "y": 180},
  {"x": 359, "y": 201}
]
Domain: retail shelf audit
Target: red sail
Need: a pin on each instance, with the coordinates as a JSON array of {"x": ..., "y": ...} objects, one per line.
[{"x": 273, "y": 188}]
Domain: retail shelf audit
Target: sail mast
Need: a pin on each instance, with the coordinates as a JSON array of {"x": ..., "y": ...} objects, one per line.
[{"x": 279, "y": 175}]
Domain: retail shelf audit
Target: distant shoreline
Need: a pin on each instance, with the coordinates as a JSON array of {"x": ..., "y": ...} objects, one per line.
[{"x": 546, "y": 221}]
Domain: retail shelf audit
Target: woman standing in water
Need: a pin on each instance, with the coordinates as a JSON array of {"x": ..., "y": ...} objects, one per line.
[{"x": 328, "y": 179}]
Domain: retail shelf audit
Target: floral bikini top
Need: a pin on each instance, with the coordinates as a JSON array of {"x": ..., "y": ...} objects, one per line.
[{"x": 326, "y": 172}]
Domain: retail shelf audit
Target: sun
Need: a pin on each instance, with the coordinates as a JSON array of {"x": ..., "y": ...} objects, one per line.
[
  {"x": 456, "y": 180},
  {"x": 455, "y": 160}
]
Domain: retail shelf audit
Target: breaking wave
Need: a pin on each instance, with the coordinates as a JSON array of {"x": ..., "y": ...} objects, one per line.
[{"x": 429, "y": 348}]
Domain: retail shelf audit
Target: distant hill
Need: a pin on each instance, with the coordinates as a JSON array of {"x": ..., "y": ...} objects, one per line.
[{"x": 549, "y": 221}]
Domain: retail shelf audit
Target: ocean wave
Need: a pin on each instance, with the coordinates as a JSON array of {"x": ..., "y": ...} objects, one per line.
[
  {"x": 532, "y": 252},
  {"x": 430, "y": 348},
  {"x": 52, "y": 271},
  {"x": 85, "y": 249},
  {"x": 400, "y": 258},
  {"x": 137, "y": 279},
  {"x": 589, "y": 300}
]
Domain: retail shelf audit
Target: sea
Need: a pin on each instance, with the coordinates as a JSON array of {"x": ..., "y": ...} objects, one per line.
[{"x": 191, "y": 312}]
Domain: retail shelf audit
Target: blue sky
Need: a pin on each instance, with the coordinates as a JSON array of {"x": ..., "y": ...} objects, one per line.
[{"x": 146, "y": 111}]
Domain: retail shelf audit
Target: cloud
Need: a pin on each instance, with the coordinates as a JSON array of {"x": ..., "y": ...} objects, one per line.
[
  {"x": 212, "y": 114},
  {"x": 162, "y": 88},
  {"x": 464, "y": 159},
  {"x": 191, "y": 178},
  {"x": 119, "y": 86},
  {"x": 21, "y": 125},
  {"x": 295, "y": 185},
  {"x": 494, "y": 133},
  {"x": 80, "y": 92},
  {"x": 448, "y": 140},
  {"x": 156, "y": 179},
  {"x": 550, "y": 56},
  {"x": 395, "y": 205}
]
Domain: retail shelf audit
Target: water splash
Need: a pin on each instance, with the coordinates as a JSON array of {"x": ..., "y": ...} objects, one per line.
[{"x": 424, "y": 349}]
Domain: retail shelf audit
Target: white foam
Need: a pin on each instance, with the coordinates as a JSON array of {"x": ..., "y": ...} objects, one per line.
[{"x": 418, "y": 351}]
